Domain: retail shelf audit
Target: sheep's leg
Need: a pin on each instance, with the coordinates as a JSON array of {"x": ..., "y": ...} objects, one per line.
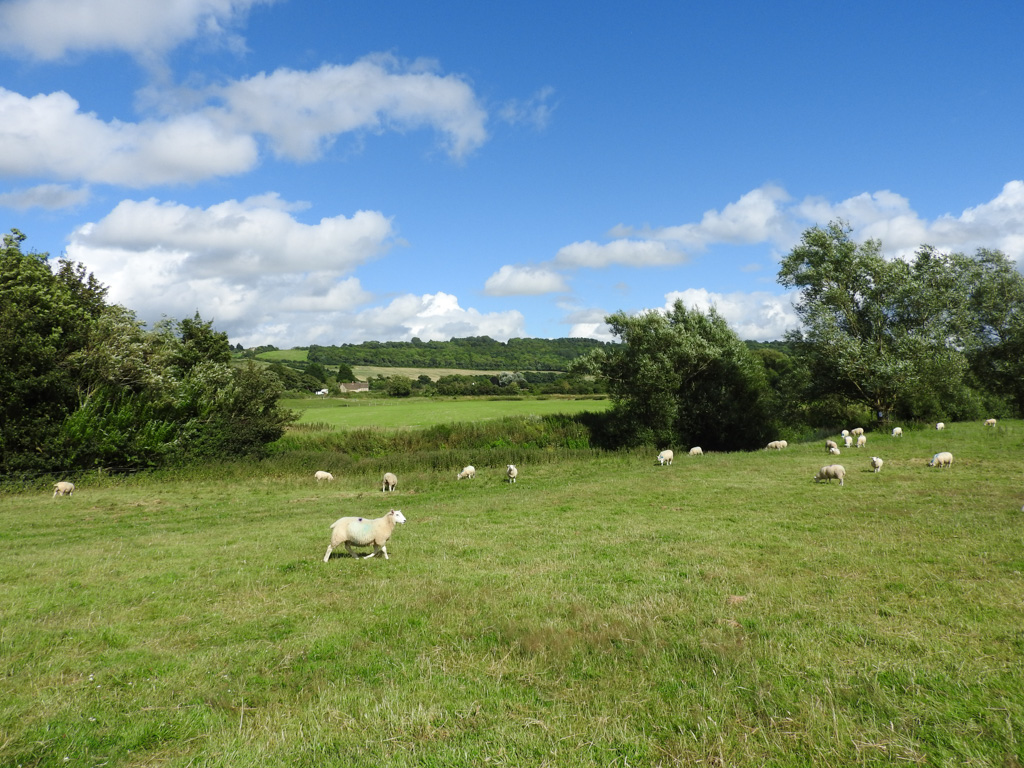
[
  {"x": 328, "y": 555},
  {"x": 351, "y": 552}
]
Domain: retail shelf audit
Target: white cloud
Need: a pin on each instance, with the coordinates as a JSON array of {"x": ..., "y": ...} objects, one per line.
[
  {"x": 758, "y": 315},
  {"x": 47, "y": 136},
  {"x": 50, "y": 29},
  {"x": 432, "y": 317},
  {"x": 50, "y": 197},
  {"x": 589, "y": 324},
  {"x": 524, "y": 281},
  {"x": 535, "y": 111},
  {"x": 632, "y": 253},
  {"x": 302, "y": 112}
]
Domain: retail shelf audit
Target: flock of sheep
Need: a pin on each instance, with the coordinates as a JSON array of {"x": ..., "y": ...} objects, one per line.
[{"x": 362, "y": 532}]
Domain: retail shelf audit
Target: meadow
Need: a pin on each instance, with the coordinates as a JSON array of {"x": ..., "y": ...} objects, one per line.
[
  {"x": 413, "y": 412},
  {"x": 602, "y": 611}
]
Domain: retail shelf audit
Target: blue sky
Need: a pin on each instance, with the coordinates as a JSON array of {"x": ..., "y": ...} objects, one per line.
[{"x": 335, "y": 172}]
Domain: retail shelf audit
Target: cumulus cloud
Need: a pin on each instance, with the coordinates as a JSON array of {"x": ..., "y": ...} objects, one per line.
[
  {"x": 48, "y": 136},
  {"x": 50, "y": 197},
  {"x": 433, "y": 317},
  {"x": 524, "y": 281},
  {"x": 589, "y": 324},
  {"x": 757, "y": 315},
  {"x": 632, "y": 253},
  {"x": 50, "y": 29},
  {"x": 302, "y": 112}
]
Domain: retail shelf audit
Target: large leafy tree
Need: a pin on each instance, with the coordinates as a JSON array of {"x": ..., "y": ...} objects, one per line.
[
  {"x": 682, "y": 378},
  {"x": 84, "y": 384},
  {"x": 895, "y": 334}
]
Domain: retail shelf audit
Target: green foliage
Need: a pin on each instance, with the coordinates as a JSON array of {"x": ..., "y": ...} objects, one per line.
[
  {"x": 475, "y": 352},
  {"x": 682, "y": 379},
  {"x": 85, "y": 385}
]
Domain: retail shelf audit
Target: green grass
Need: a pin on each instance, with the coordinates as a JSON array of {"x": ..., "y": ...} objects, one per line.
[
  {"x": 391, "y": 413},
  {"x": 725, "y": 610}
]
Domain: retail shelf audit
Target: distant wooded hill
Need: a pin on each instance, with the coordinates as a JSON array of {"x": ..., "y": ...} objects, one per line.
[{"x": 479, "y": 353}]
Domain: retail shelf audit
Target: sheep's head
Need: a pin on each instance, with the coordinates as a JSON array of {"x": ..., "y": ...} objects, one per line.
[{"x": 397, "y": 514}]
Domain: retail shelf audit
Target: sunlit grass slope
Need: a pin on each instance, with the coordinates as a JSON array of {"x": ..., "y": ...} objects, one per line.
[{"x": 724, "y": 610}]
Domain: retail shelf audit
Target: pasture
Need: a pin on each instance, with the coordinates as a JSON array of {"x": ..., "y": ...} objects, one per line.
[
  {"x": 415, "y": 412},
  {"x": 602, "y": 611}
]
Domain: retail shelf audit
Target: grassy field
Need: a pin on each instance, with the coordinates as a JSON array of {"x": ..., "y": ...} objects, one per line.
[
  {"x": 724, "y": 610},
  {"x": 413, "y": 412}
]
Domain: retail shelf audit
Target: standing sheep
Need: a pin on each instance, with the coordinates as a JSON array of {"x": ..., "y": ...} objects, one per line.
[
  {"x": 776, "y": 445},
  {"x": 940, "y": 425},
  {"x": 845, "y": 433},
  {"x": 990, "y": 422},
  {"x": 665, "y": 457},
  {"x": 831, "y": 472},
  {"x": 390, "y": 481},
  {"x": 321, "y": 475},
  {"x": 696, "y": 451},
  {"x": 857, "y": 431},
  {"x": 861, "y": 441},
  {"x": 63, "y": 489},
  {"x": 847, "y": 441},
  {"x": 876, "y": 463},
  {"x": 511, "y": 472},
  {"x": 363, "y": 533},
  {"x": 943, "y": 459},
  {"x": 897, "y": 431},
  {"x": 467, "y": 471},
  {"x": 830, "y": 444}
]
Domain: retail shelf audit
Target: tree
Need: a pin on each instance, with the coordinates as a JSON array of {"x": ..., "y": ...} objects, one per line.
[{"x": 681, "y": 378}]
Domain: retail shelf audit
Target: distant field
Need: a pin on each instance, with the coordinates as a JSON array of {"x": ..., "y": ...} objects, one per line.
[
  {"x": 281, "y": 355},
  {"x": 417, "y": 412},
  {"x": 603, "y": 611},
  {"x": 364, "y": 372}
]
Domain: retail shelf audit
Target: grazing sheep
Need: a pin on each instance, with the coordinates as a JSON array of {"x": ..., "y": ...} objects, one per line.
[
  {"x": 830, "y": 444},
  {"x": 665, "y": 457},
  {"x": 834, "y": 450},
  {"x": 990, "y": 422},
  {"x": 321, "y": 475},
  {"x": 776, "y": 445},
  {"x": 940, "y": 425},
  {"x": 467, "y": 471},
  {"x": 845, "y": 433},
  {"x": 696, "y": 451},
  {"x": 897, "y": 431},
  {"x": 511, "y": 472},
  {"x": 876, "y": 463},
  {"x": 363, "y": 533},
  {"x": 831, "y": 472},
  {"x": 943, "y": 459},
  {"x": 857, "y": 431},
  {"x": 63, "y": 489},
  {"x": 848, "y": 441},
  {"x": 390, "y": 481},
  {"x": 861, "y": 441}
]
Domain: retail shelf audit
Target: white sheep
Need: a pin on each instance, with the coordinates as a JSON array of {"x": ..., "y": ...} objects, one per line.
[
  {"x": 696, "y": 451},
  {"x": 830, "y": 444},
  {"x": 831, "y": 472},
  {"x": 665, "y": 457},
  {"x": 834, "y": 450},
  {"x": 857, "y": 431},
  {"x": 847, "y": 441},
  {"x": 467, "y": 471},
  {"x": 861, "y": 441},
  {"x": 321, "y": 475},
  {"x": 511, "y": 472},
  {"x": 363, "y": 533},
  {"x": 990, "y": 422},
  {"x": 63, "y": 489},
  {"x": 390, "y": 481},
  {"x": 943, "y": 459},
  {"x": 845, "y": 433},
  {"x": 876, "y": 463},
  {"x": 940, "y": 425},
  {"x": 897, "y": 431},
  {"x": 776, "y": 445}
]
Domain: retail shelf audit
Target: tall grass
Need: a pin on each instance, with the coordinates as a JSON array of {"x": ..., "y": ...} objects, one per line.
[{"x": 604, "y": 610}]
